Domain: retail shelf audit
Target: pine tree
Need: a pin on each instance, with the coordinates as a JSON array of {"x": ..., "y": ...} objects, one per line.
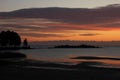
[{"x": 25, "y": 43}]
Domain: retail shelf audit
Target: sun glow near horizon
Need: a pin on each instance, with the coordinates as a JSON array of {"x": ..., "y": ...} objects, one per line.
[
  {"x": 97, "y": 24},
  {"x": 45, "y": 30},
  {"x": 98, "y": 36}
]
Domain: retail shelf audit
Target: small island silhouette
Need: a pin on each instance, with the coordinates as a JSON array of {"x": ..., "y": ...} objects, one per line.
[{"x": 76, "y": 46}]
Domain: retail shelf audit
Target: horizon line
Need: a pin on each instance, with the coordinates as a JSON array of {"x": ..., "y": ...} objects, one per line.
[{"x": 78, "y": 40}]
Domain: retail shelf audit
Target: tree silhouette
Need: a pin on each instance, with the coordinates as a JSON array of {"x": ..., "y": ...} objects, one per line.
[
  {"x": 9, "y": 39},
  {"x": 25, "y": 43}
]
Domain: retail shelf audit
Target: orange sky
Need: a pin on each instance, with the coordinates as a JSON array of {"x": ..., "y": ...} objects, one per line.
[
  {"x": 95, "y": 24},
  {"x": 45, "y": 30},
  {"x": 85, "y": 35},
  {"x": 77, "y": 32}
]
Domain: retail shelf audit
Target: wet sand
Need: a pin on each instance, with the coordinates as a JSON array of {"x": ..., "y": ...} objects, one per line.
[{"x": 35, "y": 70}]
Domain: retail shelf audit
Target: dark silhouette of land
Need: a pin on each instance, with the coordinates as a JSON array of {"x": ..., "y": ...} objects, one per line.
[
  {"x": 16, "y": 66},
  {"x": 8, "y": 58},
  {"x": 95, "y": 58},
  {"x": 76, "y": 46},
  {"x": 34, "y": 70},
  {"x": 10, "y": 40}
]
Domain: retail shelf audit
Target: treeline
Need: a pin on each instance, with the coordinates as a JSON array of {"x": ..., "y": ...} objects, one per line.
[{"x": 11, "y": 39}]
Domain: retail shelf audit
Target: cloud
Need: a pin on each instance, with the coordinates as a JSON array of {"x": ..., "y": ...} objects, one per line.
[
  {"x": 39, "y": 25},
  {"x": 79, "y": 16},
  {"x": 89, "y": 34},
  {"x": 71, "y": 15},
  {"x": 43, "y": 35},
  {"x": 110, "y": 25},
  {"x": 56, "y": 22}
]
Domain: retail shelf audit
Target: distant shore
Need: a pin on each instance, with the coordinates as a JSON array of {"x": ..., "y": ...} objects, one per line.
[{"x": 76, "y": 46}]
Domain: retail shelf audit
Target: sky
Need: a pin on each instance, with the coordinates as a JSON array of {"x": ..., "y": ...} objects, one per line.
[
  {"x": 98, "y": 25},
  {"x": 9, "y": 5}
]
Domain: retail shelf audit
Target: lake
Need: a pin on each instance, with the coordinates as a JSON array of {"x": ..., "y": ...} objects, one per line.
[{"x": 64, "y": 55}]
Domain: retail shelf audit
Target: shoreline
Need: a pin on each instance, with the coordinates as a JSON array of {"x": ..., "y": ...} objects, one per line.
[
  {"x": 29, "y": 69},
  {"x": 52, "y": 71},
  {"x": 14, "y": 48}
]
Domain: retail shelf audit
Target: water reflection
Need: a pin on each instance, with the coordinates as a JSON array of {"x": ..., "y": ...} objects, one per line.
[{"x": 64, "y": 55}]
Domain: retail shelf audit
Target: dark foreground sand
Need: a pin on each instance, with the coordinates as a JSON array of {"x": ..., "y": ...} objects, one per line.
[{"x": 23, "y": 71}]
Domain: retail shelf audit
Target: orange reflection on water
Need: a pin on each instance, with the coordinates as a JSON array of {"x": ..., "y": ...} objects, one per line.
[{"x": 114, "y": 63}]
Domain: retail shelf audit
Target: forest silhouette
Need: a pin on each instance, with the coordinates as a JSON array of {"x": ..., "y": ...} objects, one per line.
[{"x": 11, "y": 40}]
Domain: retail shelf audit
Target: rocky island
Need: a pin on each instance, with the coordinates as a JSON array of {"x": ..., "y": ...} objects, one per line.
[{"x": 76, "y": 46}]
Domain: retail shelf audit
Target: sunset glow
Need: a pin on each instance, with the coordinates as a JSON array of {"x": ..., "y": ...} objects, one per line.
[
  {"x": 45, "y": 30},
  {"x": 60, "y": 39},
  {"x": 100, "y": 23}
]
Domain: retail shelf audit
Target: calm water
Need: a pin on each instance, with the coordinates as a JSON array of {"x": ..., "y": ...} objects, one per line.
[{"x": 64, "y": 55}]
